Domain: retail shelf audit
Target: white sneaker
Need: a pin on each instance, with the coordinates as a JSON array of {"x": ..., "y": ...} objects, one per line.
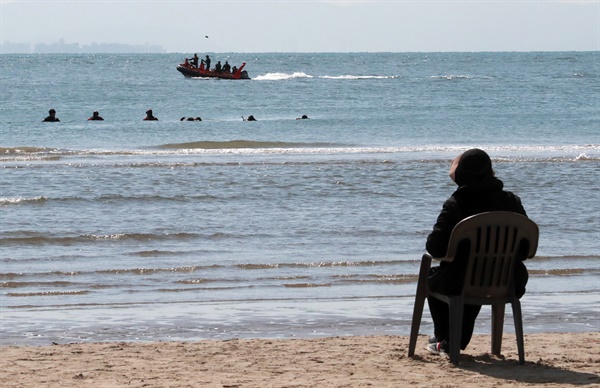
[{"x": 438, "y": 347}]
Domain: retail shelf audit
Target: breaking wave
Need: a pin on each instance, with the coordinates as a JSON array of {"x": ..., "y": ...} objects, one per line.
[{"x": 240, "y": 144}]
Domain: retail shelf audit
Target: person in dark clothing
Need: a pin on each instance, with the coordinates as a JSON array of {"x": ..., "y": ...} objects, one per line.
[
  {"x": 226, "y": 67},
  {"x": 51, "y": 116},
  {"x": 150, "y": 116},
  {"x": 194, "y": 60},
  {"x": 218, "y": 67},
  {"x": 478, "y": 191},
  {"x": 207, "y": 62},
  {"x": 95, "y": 116}
]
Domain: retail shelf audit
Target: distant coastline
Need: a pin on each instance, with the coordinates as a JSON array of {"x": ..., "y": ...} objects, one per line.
[{"x": 62, "y": 47}]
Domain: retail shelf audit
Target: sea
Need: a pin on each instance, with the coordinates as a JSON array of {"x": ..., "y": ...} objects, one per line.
[{"x": 170, "y": 230}]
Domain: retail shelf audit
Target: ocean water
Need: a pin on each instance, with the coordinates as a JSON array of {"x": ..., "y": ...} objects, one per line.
[{"x": 127, "y": 230}]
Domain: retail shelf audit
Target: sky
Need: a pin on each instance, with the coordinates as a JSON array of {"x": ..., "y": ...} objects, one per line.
[{"x": 309, "y": 25}]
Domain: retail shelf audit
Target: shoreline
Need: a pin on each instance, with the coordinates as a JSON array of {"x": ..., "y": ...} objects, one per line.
[
  {"x": 551, "y": 359},
  {"x": 278, "y": 319}
]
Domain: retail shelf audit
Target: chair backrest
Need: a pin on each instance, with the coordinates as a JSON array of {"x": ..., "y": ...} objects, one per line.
[{"x": 496, "y": 240}]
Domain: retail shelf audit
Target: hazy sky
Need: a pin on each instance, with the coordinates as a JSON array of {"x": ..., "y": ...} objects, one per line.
[{"x": 309, "y": 25}]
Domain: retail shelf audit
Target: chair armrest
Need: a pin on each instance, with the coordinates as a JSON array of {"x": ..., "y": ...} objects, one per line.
[{"x": 426, "y": 259}]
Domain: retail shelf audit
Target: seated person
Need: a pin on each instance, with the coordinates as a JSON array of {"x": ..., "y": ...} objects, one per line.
[
  {"x": 194, "y": 60},
  {"x": 226, "y": 67},
  {"x": 51, "y": 116},
  {"x": 478, "y": 191}
]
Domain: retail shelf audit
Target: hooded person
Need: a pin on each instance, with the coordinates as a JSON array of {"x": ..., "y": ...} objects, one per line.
[{"x": 478, "y": 191}]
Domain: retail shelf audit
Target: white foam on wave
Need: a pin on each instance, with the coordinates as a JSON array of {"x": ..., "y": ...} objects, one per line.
[
  {"x": 588, "y": 152},
  {"x": 351, "y": 77},
  {"x": 350, "y": 149},
  {"x": 281, "y": 76},
  {"x": 18, "y": 200},
  {"x": 285, "y": 76},
  {"x": 450, "y": 77}
]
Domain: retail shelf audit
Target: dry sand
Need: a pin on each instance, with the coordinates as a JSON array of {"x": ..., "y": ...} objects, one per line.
[{"x": 552, "y": 360}]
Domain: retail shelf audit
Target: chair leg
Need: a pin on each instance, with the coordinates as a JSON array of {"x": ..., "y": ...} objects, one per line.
[
  {"x": 422, "y": 291},
  {"x": 516, "y": 307},
  {"x": 416, "y": 324},
  {"x": 456, "y": 307},
  {"x": 497, "y": 328}
]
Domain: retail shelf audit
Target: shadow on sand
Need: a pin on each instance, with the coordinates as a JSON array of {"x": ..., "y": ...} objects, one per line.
[{"x": 537, "y": 372}]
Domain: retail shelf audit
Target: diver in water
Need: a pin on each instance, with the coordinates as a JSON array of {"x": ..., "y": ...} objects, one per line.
[
  {"x": 95, "y": 116},
  {"x": 150, "y": 116},
  {"x": 51, "y": 116}
]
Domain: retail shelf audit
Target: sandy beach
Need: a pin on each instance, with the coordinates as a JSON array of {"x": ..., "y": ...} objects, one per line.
[{"x": 552, "y": 360}]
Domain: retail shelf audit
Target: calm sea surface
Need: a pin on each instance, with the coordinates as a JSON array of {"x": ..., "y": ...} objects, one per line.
[{"x": 174, "y": 230}]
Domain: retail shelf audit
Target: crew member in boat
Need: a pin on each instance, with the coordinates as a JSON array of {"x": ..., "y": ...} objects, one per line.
[
  {"x": 194, "y": 60},
  {"x": 226, "y": 67},
  {"x": 218, "y": 67},
  {"x": 95, "y": 116},
  {"x": 150, "y": 116},
  {"x": 234, "y": 70},
  {"x": 51, "y": 116},
  {"x": 207, "y": 61}
]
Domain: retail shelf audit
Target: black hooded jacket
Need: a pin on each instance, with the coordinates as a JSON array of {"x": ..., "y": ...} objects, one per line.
[
  {"x": 479, "y": 191},
  {"x": 483, "y": 196}
]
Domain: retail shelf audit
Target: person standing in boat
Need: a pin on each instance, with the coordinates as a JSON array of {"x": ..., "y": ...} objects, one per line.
[
  {"x": 51, "y": 117},
  {"x": 207, "y": 61}
]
